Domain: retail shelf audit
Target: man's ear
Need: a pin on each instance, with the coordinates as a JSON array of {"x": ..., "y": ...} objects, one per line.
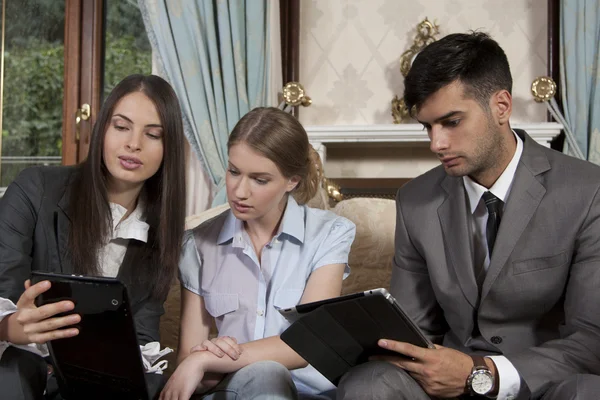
[
  {"x": 292, "y": 183},
  {"x": 501, "y": 106}
]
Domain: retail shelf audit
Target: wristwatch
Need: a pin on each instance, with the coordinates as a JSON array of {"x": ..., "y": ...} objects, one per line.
[{"x": 480, "y": 381}]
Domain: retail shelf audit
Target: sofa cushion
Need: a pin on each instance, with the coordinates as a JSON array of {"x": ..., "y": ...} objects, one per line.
[{"x": 373, "y": 248}]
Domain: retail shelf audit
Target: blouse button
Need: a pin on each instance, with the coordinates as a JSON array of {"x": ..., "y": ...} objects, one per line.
[{"x": 260, "y": 313}]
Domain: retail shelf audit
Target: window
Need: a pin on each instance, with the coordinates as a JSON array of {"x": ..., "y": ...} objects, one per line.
[{"x": 32, "y": 85}]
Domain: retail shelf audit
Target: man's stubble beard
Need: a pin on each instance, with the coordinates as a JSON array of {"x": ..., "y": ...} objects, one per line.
[{"x": 488, "y": 152}]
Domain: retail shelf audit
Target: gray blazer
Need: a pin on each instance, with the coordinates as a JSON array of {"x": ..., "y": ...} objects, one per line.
[
  {"x": 539, "y": 305},
  {"x": 34, "y": 235}
]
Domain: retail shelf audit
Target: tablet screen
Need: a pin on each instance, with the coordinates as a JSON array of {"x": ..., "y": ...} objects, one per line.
[{"x": 105, "y": 352}]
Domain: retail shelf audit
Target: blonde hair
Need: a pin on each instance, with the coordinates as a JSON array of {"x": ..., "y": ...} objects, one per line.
[{"x": 279, "y": 137}]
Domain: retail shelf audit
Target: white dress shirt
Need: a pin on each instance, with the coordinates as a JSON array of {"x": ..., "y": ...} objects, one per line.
[
  {"x": 110, "y": 257},
  {"x": 510, "y": 381}
]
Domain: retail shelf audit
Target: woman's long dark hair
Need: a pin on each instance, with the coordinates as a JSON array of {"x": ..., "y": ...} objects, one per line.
[{"x": 164, "y": 193}]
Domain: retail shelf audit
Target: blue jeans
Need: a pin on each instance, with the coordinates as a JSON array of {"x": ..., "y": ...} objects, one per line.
[{"x": 264, "y": 380}]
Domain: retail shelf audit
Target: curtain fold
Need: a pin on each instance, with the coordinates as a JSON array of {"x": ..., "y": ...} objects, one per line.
[
  {"x": 215, "y": 54},
  {"x": 580, "y": 73}
]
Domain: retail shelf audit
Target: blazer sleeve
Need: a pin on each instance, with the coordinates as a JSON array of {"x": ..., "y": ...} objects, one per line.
[
  {"x": 577, "y": 350},
  {"x": 147, "y": 310},
  {"x": 18, "y": 215},
  {"x": 411, "y": 284},
  {"x": 147, "y": 320}
]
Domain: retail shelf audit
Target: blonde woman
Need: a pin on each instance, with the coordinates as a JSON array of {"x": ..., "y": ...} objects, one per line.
[{"x": 269, "y": 250}]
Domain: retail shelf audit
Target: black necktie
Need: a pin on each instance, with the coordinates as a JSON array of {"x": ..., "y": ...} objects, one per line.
[{"x": 494, "y": 206}]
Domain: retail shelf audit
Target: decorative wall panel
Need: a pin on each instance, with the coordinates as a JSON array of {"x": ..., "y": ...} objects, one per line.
[{"x": 350, "y": 49}]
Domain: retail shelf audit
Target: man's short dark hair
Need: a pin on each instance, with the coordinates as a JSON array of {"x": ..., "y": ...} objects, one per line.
[{"x": 474, "y": 59}]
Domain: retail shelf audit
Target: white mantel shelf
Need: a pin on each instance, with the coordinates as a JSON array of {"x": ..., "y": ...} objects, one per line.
[{"x": 406, "y": 135}]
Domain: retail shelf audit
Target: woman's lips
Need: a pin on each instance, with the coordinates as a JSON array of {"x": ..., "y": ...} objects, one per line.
[
  {"x": 130, "y": 163},
  {"x": 241, "y": 207}
]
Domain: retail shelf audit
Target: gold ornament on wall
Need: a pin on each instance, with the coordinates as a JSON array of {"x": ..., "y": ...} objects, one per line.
[
  {"x": 294, "y": 95},
  {"x": 426, "y": 34},
  {"x": 399, "y": 110},
  {"x": 333, "y": 190},
  {"x": 543, "y": 88}
]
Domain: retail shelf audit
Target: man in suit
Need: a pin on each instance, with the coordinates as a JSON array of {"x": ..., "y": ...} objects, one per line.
[{"x": 497, "y": 250}]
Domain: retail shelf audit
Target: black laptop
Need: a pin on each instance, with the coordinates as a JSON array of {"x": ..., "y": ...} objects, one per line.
[{"x": 104, "y": 360}]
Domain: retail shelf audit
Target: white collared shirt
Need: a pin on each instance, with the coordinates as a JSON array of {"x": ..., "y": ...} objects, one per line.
[
  {"x": 510, "y": 381},
  {"x": 111, "y": 255}
]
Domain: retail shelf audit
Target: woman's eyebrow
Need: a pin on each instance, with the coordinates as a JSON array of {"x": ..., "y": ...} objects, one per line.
[{"x": 131, "y": 122}]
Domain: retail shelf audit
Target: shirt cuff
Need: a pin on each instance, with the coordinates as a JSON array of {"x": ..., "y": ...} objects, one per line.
[
  {"x": 510, "y": 381},
  {"x": 151, "y": 353},
  {"x": 7, "y": 307}
]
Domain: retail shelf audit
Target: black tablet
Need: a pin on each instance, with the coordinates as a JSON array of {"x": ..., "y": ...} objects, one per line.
[
  {"x": 336, "y": 334},
  {"x": 104, "y": 359}
]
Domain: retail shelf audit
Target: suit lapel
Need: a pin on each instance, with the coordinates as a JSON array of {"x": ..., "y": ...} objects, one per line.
[
  {"x": 61, "y": 230},
  {"x": 524, "y": 198},
  {"x": 456, "y": 232}
]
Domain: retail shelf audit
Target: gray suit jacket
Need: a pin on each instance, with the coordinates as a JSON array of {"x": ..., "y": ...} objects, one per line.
[
  {"x": 34, "y": 235},
  {"x": 540, "y": 302}
]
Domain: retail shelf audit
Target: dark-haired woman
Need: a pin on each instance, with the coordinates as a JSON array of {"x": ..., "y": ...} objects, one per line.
[
  {"x": 268, "y": 251},
  {"x": 118, "y": 214}
]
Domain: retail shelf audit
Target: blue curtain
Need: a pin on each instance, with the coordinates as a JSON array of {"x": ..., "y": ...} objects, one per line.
[
  {"x": 215, "y": 55},
  {"x": 580, "y": 72}
]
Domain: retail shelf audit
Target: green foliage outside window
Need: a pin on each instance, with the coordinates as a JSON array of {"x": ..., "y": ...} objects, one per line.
[{"x": 32, "y": 112}]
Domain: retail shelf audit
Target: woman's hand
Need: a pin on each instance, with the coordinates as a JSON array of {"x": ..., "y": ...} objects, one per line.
[
  {"x": 187, "y": 379},
  {"x": 31, "y": 324},
  {"x": 220, "y": 346}
]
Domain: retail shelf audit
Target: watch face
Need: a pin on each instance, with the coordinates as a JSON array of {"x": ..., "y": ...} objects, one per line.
[{"x": 482, "y": 382}]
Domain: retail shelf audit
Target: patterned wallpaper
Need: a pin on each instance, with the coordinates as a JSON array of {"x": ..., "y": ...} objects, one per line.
[{"x": 350, "y": 49}]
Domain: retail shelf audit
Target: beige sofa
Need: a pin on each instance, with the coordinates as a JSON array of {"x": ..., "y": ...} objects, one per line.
[{"x": 370, "y": 255}]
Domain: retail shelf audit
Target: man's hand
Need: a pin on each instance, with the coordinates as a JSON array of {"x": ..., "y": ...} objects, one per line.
[
  {"x": 31, "y": 324},
  {"x": 441, "y": 372}
]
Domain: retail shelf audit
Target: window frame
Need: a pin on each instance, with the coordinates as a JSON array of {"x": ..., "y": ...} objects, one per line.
[{"x": 83, "y": 74}]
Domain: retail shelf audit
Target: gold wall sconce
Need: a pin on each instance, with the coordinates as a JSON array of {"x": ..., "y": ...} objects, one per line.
[{"x": 426, "y": 34}]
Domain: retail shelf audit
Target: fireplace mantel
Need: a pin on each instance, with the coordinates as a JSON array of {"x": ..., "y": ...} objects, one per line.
[{"x": 389, "y": 151}]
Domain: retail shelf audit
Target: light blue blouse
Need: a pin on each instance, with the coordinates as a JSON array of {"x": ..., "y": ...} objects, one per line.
[{"x": 219, "y": 263}]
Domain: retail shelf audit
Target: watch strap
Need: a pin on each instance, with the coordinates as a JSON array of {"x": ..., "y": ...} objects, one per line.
[{"x": 479, "y": 362}]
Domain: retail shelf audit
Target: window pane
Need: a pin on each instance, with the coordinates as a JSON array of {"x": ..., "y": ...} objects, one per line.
[
  {"x": 127, "y": 49},
  {"x": 33, "y": 85}
]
